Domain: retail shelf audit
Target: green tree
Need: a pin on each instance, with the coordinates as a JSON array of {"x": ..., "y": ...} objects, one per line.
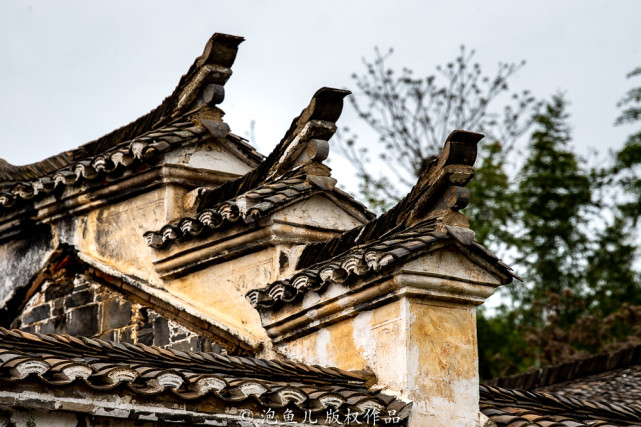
[
  {"x": 566, "y": 233},
  {"x": 628, "y": 159},
  {"x": 552, "y": 203},
  {"x": 581, "y": 294},
  {"x": 544, "y": 222},
  {"x": 610, "y": 274},
  {"x": 491, "y": 209}
]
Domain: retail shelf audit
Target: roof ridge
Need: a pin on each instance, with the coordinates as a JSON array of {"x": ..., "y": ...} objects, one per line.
[
  {"x": 425, "y": 220},
  {"x": 568, "y": 371},
  {"x": 67, "y": 345},
  {"x": 297, "y": 156},
  {"x": 212, "y": 67},
  {"x": 141, "y": 149},
  {"x": 317, "y": 120},
  {"x": 47, "y": 363},
  {"x": 360, "y": 260},
  {"x": 421, "y": 202},
  {"x": 558, "y": 404},
  {"x": 250, "y": 206}
]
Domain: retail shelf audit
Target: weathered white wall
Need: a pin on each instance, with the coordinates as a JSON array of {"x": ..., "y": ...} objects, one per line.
[
  {"x": 209, "y": 155},
  {"x": 420, "y": 344},
  {"x": 21, "y": 259},
  {"x": 318, "y": 211}
]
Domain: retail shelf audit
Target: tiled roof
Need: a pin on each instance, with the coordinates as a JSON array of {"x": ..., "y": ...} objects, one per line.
[
  {"x": 597, "y": 377},
  {"x": 112, "y": 161},
  {"x": 622, "y": 386},
  {"x": 317, "y": 120},
  {"x": 521, "y": 408},
  {"x": 362, "y": 261},
  {"x": 250, "y": 206},
  {"x": 170, "y": 123},
  {"x": 105, "y": 367},
  {"x": 453, "y": 169},
  {"x": 423, "y": 221},
  {"x": 276, "y": 182},
  {"x": 607, "y": 377}
]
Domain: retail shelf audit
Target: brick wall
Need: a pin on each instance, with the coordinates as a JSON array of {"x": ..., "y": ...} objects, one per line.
[{"x": 81, "y": 307}]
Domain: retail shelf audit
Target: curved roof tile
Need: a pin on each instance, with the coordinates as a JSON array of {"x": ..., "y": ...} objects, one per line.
[
  {"x": 171, "y": 123},
  {"x": 105, "y": 366}
]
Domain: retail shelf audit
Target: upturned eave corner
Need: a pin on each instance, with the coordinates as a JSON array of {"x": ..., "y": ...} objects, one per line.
[
  {"x": 190, "y": 114},
  {"x": 293, "y": 173},
  {"x": 441, "y": 190},
  {"x": 427, "y": 221}
]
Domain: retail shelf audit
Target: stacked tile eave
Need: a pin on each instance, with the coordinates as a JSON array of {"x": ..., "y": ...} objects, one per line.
[
  {"x": 614, "y": 376},
  {"x": 425, "y": 220},
  {"x": 288, "y": 175},
  {"x": 186, "y": 116},
  {"x": 514, "y": 407},
  {"x": 65, "y": 362},
  {"x": 248, "y": 207}
]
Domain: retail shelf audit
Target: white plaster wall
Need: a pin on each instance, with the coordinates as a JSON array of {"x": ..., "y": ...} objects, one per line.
[
  {"x": 318, "y": 211},
  {"x": 208, "y": 155}
]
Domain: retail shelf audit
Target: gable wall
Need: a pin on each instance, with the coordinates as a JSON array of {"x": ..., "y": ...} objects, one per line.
[{"x": 80, "y": 307}]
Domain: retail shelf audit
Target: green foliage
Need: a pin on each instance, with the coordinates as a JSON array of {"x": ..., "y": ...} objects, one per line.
[
  {"x": 569, "y": 229},
  {"x": 492, "y": 199},
  {"x": 581, "y": 293},
  {"x": 30, "y": 420},
  {"x": 609, "y": 273},
  {"x": 554, "y": 193},
  {"x": 502, "y": 344},
  {"x": 371, "y": 188},
  {"x": 632, "y": 103},
  {"x": 628, "y": 160}
]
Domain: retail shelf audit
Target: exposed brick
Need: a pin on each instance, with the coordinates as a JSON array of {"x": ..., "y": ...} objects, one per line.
[
  {"x": 187, "y": 345},
  {"x": 58, "y": 290},
  {"x": 204, "y": 344},
  {"x": 109, "y": 335},
  {"x": 145, "y": 323},
  {"x": 127, "y": 335},
  {"x": 57, "y": 310},
  {"x": 116, "y": 313},
  {"x": 84, "y": 321},
  {"x": 31, "y": 328},
  {"x": 147, "y": 339},
  {"x": 37, "y": 313},
  {"x": 214, "y": 348},
  {"x": 179, "y": 336},
  {"x": 161, "y": 331},
  {"x": 60, "y": 323},
  {"x": 79, "y": 298},
  {"x": 48, "y": 327},
  {"x": 81, "y": 285}
]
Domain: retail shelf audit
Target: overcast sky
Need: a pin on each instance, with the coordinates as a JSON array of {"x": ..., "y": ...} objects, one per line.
[{"x": 72, "y": 71}]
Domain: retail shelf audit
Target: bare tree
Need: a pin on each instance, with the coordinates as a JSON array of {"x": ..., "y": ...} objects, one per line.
[{"x": 413, "y": 116}]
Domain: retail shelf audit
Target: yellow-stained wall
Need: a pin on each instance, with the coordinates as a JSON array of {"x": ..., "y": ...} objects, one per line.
[
  {"x": 426, "y": 351},
  {"x": 113, "y": 234},
  {"x": 219, "y": 290},
  {"x": 421, "y": 343}
]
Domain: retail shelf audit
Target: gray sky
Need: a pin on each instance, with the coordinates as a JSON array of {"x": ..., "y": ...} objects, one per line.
[{"x": 72, "y": 71}]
